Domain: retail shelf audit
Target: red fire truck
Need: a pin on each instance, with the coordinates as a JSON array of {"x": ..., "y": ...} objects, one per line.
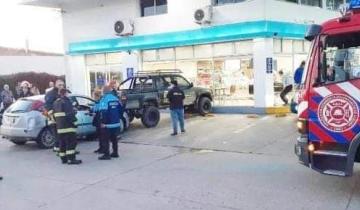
[{"x": 329, "y": 96}]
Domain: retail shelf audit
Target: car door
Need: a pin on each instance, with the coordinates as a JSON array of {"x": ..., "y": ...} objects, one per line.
[
  {"x": 84, "y": 116},
  {"x": 184, "y": 85}
]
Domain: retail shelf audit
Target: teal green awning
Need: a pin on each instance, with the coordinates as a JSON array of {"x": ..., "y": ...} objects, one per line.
[{"x": 212, "y": 34}]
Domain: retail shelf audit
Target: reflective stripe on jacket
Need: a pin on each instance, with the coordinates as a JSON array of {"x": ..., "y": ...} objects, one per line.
[{"x": 64, "y": 115}]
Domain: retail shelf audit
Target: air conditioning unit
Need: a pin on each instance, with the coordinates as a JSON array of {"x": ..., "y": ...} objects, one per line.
[
  {"x": 124, "y": 28},
  {"x": 203, "y": 15}
]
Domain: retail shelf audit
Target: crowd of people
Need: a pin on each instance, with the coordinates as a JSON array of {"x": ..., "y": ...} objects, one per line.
[{"x": 22, "y": 89}]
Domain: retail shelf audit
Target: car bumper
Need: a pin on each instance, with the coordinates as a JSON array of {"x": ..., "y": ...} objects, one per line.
[
  {"x": 18, "y": 133},
  {"x": 301, "y": 150}
]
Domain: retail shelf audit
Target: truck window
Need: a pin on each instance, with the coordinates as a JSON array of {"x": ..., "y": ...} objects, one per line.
[
  {"x": 126, "y": 85},
  {"x": 143, "y": 84},
  {"x": 163, "y": 82},
  {"x": 181, "y": 81},
  {"x": 342, "y": 57}
]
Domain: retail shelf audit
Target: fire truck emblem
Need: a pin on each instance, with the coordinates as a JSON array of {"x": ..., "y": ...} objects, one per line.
[{"x": 338, "y": 113}]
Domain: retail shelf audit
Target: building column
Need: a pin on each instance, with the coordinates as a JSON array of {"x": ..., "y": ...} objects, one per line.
[
  {"x": 263, "y": 76},
  {"x": 77, "y": 79}
]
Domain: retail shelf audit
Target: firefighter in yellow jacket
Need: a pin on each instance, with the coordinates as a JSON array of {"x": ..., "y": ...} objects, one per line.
[{"x": 65, "y": 118}]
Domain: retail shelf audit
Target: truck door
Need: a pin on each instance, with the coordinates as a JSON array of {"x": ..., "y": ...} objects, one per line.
[
  {"x": 335, "y": 99},
  {"x": 163, "y": 84}
]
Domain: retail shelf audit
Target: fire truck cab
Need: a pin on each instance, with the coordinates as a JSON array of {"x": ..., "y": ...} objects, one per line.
[{"x": 329, "y": 96}]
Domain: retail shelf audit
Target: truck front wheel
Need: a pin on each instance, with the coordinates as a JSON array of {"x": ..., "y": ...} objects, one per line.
[
  {"x": 204, "y": 106},
  {"x": 150, "y": 117}
]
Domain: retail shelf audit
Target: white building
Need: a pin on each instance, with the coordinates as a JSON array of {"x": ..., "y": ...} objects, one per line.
[{"x": 231, "y": 54}]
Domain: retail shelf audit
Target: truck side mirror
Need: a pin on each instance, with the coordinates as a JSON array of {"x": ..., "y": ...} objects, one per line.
[{"x": 191, "y": 85}]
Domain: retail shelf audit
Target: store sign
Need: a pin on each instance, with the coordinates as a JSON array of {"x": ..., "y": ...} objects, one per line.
[{"x": 269, "y": 65}]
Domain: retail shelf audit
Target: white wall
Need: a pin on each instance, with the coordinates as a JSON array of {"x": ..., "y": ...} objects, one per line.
[
  {"x": 15, "y": 64},
  {"x": 76, "y": 76},
  {"x": 97, "y": 22}
]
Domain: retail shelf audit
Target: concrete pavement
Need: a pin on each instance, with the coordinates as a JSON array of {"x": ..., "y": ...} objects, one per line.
[{"x": 222, "y": 162}]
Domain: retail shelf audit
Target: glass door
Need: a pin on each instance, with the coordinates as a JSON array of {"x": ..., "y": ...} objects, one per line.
[{"x": 101, "y": 75}]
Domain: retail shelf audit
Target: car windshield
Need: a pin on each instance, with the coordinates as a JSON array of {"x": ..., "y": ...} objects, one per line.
[{"x": 20, "y": 106}]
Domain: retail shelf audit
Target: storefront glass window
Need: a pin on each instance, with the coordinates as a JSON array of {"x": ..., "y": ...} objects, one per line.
[
  {"x": 184, "y": 53},
  {"x": 95, "y": 59},
  {"x": 166, "y": 54},
  {"x": 204, "y": 72},
  {"x": 298, "y": 46},
  {"x": 149, "y": 55},
  {"x": 102, "y": 68},
  {"x": 277, "y": 46},
  {"x": 223, "y": 49},
  {"x": 203, "y": 51},
  {"x": 287, "y": 46},
  {"x": 244, "y": 47},
  {"x": 189, "y": 69}
]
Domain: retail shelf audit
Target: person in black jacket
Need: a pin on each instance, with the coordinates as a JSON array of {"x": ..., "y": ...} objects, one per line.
[
  {"x": 176, "y": 97},
  {"x": 65, "y": 117},
  {"x": 50, "y": 98}
]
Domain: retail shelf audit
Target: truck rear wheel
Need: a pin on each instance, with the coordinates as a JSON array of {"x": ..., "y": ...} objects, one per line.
[
  {"x": 150, "y": 117},
  {"x": 204, "y": 106}
]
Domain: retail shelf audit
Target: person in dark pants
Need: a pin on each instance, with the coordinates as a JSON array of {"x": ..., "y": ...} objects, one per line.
[
  {"x": 176, "y": 97},
  {"x": 287, "y": 87},
  {"x": 110, "y": 110},
  {"x": 96, "y": 121},
  {"x": 50, "y": 98},
  {"x": 65, "y": 118}
]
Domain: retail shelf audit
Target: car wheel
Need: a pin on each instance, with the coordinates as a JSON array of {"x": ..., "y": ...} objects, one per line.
[
  {"x": 205, "y": 106},
  {"x": 46, "y": 139},
  {"x": 150, "y": 117},
  {"x": 18, "y": 142}
]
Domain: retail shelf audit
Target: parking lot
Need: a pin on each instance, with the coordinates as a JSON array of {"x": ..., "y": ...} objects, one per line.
[{"x": 221, "y": 162}]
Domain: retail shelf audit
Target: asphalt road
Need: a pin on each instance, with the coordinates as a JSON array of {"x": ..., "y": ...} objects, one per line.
[{"x": 222, "y": 162}]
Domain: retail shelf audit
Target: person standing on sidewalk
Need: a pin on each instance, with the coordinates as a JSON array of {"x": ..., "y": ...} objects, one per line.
[
  {"x": 298, "y": 74},
  {"x": 288, "y": 86},
  {"x": 7, "y": 97},
  {"x": 111, "y": 111},
  {"x": 176, "y": 97}
]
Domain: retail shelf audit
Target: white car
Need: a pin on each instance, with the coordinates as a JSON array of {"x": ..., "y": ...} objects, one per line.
[{"x": 23, "y": 121}]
